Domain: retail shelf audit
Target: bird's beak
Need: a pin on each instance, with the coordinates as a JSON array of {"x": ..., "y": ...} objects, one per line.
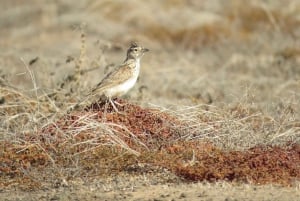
[{"x": 145, "y": 50}]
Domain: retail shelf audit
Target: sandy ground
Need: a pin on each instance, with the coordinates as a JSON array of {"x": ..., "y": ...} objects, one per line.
[
  {"x": 154, "y": 188},
  {"x": 229, "y": 68}
]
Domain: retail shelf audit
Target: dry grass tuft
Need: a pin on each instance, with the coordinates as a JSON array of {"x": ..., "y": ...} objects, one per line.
[
  {"x": 259, "y": 16},
  {"x": 100, "y": 142},
  {"x": 239, "y": 23},
  {"x": 196, "y": 37},
  {"x": 133, "y": 125}
]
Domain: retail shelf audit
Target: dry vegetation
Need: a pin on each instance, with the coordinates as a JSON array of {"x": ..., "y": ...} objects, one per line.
[
  {"x": 229, "y": 106},
  {"x": 102, "y": 142}
]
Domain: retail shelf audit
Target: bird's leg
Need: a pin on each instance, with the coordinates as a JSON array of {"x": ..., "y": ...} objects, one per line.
[
  {"x": 105, "y": 110},
  {"x": 112, "y": 103},
  {"x": 119, "y": 104}
]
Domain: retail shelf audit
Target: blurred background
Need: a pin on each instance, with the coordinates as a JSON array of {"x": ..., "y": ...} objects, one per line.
[{"x": 202, "y": 52}]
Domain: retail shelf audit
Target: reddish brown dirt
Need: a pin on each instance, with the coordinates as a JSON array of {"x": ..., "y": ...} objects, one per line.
[
  {"x": 159, "y": 132},
  {"x": 259, "y": 165}
]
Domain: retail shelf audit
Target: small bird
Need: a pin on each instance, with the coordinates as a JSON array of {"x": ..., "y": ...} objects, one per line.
[{"x": 122, "y": 78}]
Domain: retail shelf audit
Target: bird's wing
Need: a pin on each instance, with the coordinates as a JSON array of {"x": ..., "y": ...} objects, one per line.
[{"x": 117, "y": 76}]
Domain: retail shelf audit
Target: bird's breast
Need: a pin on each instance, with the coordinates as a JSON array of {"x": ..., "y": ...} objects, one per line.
[{"x": 124, "y": 87}]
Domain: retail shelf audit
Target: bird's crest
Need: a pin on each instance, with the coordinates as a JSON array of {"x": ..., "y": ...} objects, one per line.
[{"x": 134, "y": 44}]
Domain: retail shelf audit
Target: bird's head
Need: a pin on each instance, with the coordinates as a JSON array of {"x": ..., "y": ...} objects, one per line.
[{"x": 135, "y": 51}]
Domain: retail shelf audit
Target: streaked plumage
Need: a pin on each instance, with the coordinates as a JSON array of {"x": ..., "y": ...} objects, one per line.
[{"x": 119, "y": 81}]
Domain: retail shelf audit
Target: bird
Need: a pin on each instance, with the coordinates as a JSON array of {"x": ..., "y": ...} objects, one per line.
[{"x": 120, "y": 80}]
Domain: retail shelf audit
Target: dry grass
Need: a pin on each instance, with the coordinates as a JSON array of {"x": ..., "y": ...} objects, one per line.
[
  {"x": 99, "y": 142},
  {"x": 247, "y": 134}
]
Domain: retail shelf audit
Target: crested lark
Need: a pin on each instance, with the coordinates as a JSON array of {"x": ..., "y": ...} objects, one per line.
[{"x": 121, "y": 79}]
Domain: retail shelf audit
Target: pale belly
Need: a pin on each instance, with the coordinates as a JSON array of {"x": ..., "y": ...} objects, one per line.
[{"x": 121, "y": 89}]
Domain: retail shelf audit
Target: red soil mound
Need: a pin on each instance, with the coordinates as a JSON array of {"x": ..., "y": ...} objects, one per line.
[
  {"x": 259, "y": 165},
  {"x": 68, "y": 140}
]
